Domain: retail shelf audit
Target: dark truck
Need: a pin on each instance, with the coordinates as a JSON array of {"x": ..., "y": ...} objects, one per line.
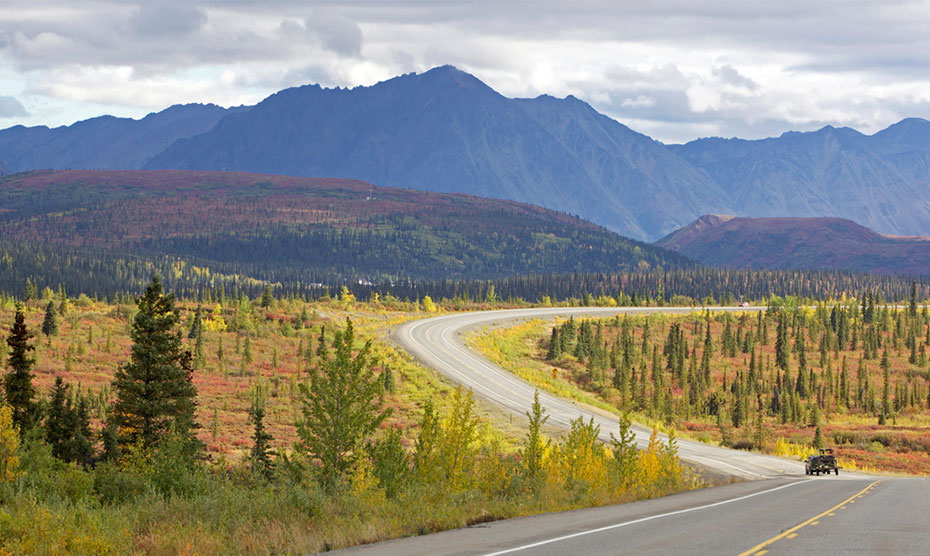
[{"x": 824, "y": 463}]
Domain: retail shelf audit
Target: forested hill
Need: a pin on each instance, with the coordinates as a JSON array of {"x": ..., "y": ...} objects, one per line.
[
  {"x": 86, "y": 229},
  {"x": 799, "y": 243}
]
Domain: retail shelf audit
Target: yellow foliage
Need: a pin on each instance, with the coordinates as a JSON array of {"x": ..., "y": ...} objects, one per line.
[
  {"x": 346, "y": 296},
  {"x": 215, "y": 323},
  {"x": 428, "y": 305},
  {"x": 364, "y": 483},
  {"x": 9, "y": 443},
  {"x": 786, "y": 449}
]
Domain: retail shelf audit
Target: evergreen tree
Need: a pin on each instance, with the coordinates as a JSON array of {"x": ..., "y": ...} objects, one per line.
[
  {"x": 67, "y": 426},
  {"x": 267, "y": 297},
  {"x": 341, "y": 407},
  {"x": 261, "y": 453},
  {"x": 912, "y": 308},
  {"x": 554, "y": 352},
  {"x": 196, "y": 325},
  {"x": 56, "y": 418},
  {"x": 154, "y": 390},
  {"x": 50, "y": 324},
  {"x": 886, "y": 389},
  {"x": 782, "y": 349},
  {"x": 17, "y": 384}
]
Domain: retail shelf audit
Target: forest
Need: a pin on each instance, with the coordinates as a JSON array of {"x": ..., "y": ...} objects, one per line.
[{"x": 852, "y": 374}]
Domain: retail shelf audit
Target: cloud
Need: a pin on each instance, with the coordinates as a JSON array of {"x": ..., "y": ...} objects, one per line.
[
  {"x": 642, "y": 101},
  {"x": 338, "y": 34},
  {"x": 165, "y": 19},
  {"x": 11, "y": 108},
  {"x": 673, "y": 68},
  {"x": 728, "y": 74}
]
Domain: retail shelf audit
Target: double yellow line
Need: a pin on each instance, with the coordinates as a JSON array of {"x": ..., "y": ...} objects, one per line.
[{"x": 758, "y": 549}]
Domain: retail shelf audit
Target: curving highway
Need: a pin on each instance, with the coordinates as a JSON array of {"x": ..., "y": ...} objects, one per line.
[{"x": 777, "y": 510}]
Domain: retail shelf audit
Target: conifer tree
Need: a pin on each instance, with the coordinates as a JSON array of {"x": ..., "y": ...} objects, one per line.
[
  {"x": 554, "y": 352},
  {"x": 782, "y": 348},
  {"x": 196, "y": 325},
  {"x": 886, "y": 389},
  {"x": 267, "y": 297},
  {"x": 154, "y": 390},
  {"x": 50, "y": 323},
  {"x": 17, "y": 384},
  {"x": 67, "y": 426},
  {"x": 261, "y": 453}
]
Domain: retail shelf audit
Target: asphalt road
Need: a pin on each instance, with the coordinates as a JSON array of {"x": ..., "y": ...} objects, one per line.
[{"x": 778, "y": 510}]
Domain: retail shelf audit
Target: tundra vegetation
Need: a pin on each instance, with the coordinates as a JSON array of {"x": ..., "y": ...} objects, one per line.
[
  {"x": 852, "y": 374},
  {"x": 266, "y": 425}
]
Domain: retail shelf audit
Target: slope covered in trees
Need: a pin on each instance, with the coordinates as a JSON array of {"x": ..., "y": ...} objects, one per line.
[
  {"x": 799, "y": 243},
  {"x": 294, "y": 230}
]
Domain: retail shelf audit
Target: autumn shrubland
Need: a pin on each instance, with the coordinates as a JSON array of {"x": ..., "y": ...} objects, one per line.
[
  {"x": 435, "y": 458},
  {"x": 852, "y": 374}
]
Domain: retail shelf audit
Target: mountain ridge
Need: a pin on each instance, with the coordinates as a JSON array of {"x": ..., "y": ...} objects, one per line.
[{"x": 445, "y": 130}]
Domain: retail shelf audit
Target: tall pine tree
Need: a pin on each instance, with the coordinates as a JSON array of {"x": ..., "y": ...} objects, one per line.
[
  {"x": 17, "y": 384},
  {"x": 154, "y": 391}
]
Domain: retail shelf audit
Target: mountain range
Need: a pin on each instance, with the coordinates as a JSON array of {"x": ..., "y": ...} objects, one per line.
[
  {"x": 826, "y": 243},
  {"x": 444, "y": 130}
]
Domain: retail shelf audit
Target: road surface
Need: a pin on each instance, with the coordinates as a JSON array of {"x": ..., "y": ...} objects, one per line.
[{"x": 778, "y": 510}]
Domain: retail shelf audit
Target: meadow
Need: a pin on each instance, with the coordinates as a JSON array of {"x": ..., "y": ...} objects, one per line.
[{"x": 440, "y": 460}]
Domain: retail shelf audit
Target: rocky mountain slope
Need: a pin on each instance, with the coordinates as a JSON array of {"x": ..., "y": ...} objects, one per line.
[{"x": 444, "y": 130}]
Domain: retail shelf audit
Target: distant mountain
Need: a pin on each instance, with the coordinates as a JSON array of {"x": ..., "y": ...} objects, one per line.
[
  {"x": 880, "y": 180},
  {"x": 104, "y": 142},
  {"x": 293, "y": 230},
  {"x": 445, "y": 130},
  {"x": 798, "y": 243}
]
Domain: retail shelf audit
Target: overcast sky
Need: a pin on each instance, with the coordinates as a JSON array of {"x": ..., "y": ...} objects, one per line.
[{"x": 675, "y": 70}]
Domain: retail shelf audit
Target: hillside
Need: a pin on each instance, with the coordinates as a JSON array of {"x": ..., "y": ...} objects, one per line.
[
  {"x": 798, "y": 243},
  {"x": 294, "y": 230},
  {"x": 880, "y": 180}
]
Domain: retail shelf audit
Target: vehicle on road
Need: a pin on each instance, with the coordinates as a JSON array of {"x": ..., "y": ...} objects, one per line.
[{"x": 823, "y": 463}]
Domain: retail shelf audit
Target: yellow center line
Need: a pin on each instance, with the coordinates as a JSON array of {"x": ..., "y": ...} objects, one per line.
[{"x": 760, "y": 546}]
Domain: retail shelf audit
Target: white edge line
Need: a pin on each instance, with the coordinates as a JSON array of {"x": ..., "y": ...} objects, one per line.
[{"x": 618, "y": 525}]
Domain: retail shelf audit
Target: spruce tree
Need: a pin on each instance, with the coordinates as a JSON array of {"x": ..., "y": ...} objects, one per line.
[
  {"x": 17, "y": 384},
  {"x": 55, "y": 420},
  {"x": 154, "y": 390},
  {"x": 50, "y": 324},
  {"x": 261, "y": 453},
  {"x": 782, "y": 349},
  {"x": 267, "y": 297}
]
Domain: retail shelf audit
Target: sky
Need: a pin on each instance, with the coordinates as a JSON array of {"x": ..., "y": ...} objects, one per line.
[{"x": 673, "y": 69}]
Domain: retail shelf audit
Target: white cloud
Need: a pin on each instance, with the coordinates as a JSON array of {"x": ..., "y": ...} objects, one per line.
[
  {"x": 675, "y": 69},
  {"x": 642, "y": 101}
]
